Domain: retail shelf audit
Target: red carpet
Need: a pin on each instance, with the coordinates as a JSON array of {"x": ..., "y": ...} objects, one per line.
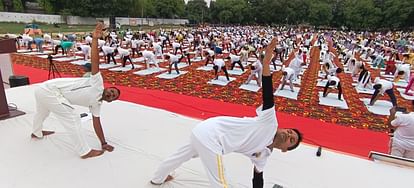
[{"x": 350, "y": 140}]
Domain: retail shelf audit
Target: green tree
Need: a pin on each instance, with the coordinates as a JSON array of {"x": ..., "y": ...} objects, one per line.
[
  {"x": 196, "y": 10},
  {"x": 1, "y": 5},
  {"x": 396, "y": 12},
  {"x": 18, "y": 6},
  {"x": 361, "y": 14},
  {"x": 320, "y": 13},
  {"x": 169, "y": 8}
]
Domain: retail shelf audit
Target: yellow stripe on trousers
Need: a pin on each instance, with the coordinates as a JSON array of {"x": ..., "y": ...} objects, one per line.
[{"x": 221, "y": 172}]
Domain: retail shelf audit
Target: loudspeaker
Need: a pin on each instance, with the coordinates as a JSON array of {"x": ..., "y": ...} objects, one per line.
[{"x": 16, "y": 81}]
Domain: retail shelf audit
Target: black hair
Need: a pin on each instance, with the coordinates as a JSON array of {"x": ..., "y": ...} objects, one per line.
[
  {"x": 119, "y": 91},
  {"x": 332, "y": 82},
  {"x": 400, "y": 73},
  {"x": 300, "y": 137},
  {"x": 252, "y": 67},
  {"x": 79, "y": 48},
  {"x": 377, "y": 86},
  {"x": 339, "y": 70},
  {"x": 284, "y": 73}
]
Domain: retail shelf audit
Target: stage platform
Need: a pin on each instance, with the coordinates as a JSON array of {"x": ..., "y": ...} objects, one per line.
[{"x": 143, "y": 136}]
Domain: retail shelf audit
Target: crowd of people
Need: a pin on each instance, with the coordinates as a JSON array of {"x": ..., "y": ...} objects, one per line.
[{"x": 261, "y": 50}]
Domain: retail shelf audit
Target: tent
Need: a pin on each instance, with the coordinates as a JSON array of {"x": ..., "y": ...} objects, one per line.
[{"x": 32, "y": 29}]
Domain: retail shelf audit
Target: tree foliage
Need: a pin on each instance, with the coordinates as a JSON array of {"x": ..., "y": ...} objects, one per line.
[
  {"x": 18, "y": 6},
  {"x": 355, "y": 14}
]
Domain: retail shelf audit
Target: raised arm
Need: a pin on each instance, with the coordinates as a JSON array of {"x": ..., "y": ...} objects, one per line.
[
  {"x": 267, "y": 96},
  {"x": 97, "y": 33}
]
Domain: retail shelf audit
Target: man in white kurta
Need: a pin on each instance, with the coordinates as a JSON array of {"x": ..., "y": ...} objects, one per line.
[
  {"x": 60, "y": 95},
  {"x": 402, "y": 142},
  {"x": 252, "y": 137}
]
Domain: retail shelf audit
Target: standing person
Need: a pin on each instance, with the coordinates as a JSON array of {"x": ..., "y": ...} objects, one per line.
[
  {"x": 383, "y": 86},
  {"x": 174, "y": 60},
  {"x": 176, "y": 46},
  {"x": 149, "y": 56},
  {"x": 235, "y": 59},
  {"x": 124, "y": 53},
  {"x": 210, "y": 56},
  {"x": 364, "y": 79},
  {"x": 288, "y": 74},
  {"x": 333, "y": 82},
  {"x": 86, "y": 51},
  {"x": 403, "y": 72},
  {"x": 256, "y": 70},
  {"x": 39, "y": 44},
  {"x": 59, "y": 95},
  {"x": 219, "y": 64},
  {"x": 109, "y": 52},
  {"x": 254, "y": 138},
  {"x": 402, "y": 142}
]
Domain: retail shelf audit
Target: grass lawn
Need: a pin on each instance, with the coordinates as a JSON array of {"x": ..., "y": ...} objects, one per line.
[{"x": 18, "y": 28}]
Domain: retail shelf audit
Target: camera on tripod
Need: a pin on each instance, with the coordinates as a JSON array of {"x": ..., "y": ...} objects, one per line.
[{"x": 53, "y": 71}]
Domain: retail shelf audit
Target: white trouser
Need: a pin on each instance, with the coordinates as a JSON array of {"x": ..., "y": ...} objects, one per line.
[
  {"x": 154, "y": 61},
  {"x": 400, "y": 152},
  {"x": 48, "y": 101},
  {"x": 258, "y": 75},
  {"x": 212, "y": 162}
]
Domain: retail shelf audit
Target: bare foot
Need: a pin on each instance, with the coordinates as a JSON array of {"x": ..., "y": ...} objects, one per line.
[
  {"x": 45, "y": 133},
  {"x": 107, "y": 147},
  {"x": 169, "y": 178},
  {"x": 93, "y": 153}
]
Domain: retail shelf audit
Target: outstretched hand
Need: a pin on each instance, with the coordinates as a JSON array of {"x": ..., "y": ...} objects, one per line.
[
  {"x": 269, "y": 51},
  {"x": 97, "y": 33}
]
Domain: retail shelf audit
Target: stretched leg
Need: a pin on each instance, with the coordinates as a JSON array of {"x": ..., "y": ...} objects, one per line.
[
  {"x": 225, "y": 72},
  {"x": 175, "y": 160},
  {"x": 390, "y": 93},
  {"x": 108, "y": 58},
  {"x": 67, "y": 117},
  {"x": 42, "y": 112},
  {"x": 113, "y": 58},
  {"x": 176, "y": 67},
  {"x": 213, "y": 165}
]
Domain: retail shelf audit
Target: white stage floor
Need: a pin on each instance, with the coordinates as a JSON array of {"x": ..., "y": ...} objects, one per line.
[{"x": 142, "y": 137}]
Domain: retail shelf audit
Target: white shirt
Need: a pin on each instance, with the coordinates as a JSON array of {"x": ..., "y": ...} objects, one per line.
[
  {"x": 219, "y": 62},
  {"x": 176, "y": 45},
  {"x": 85, "y": 92},
  {"x": 149, "y": 55},
  {"x": 404, "y": 134},
  {"x": 123, "y": 52},
  {"x": 334, "y": 78},
  {"x": 234, "y": 58},
  {"x": 101, "y": 43},
  {"x": 290, "y": 72},
  {"x": 386, "y": 85},
  {"x": 107, "y": 50},
  {"x": 85, "y": 49},
  {"x": 249, "y": 135},
  {"x": 173, "y": 58},
  {"x": 258, "y": 67},
  {"x": 210, "y": 53},
  {"x": 88, "y": 39},
  {"x": 406, "y": 69}
]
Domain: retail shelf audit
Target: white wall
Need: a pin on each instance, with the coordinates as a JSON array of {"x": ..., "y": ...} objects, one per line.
[
  {"x": 76, "y": 20},
  {"x": 29, "y": 18},
  {"x": 149, "y": 21}
]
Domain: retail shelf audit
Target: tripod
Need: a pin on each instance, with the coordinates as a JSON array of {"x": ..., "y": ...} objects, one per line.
[{"x": 52, "y": 68}]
